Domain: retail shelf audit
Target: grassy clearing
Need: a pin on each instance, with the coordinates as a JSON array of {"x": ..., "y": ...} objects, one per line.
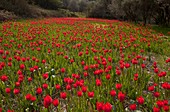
[{"x": 161, "y": 29}]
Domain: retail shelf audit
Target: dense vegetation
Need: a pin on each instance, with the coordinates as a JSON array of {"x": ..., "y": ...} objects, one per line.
[
  {"x": 146, "y": 11},
  {"x": 83, "y": 65}
]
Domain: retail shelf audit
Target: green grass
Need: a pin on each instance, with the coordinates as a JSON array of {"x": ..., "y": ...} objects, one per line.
[{"x": 161, "y": 29}]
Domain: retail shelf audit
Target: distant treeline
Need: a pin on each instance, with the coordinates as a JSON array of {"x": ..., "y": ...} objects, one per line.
[{"x": 146, "y": 11}]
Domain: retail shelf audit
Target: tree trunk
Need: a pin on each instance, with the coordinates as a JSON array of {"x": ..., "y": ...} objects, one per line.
[{"x": 144, "y": 20}]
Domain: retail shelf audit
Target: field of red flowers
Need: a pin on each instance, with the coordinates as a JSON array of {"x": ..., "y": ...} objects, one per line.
[{"x": 83, "y": 65}]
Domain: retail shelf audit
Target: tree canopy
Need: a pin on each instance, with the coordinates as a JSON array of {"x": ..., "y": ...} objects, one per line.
[{"x": 148, "y": 11}]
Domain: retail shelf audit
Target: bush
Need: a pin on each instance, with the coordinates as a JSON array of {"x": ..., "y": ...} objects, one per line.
[{"x": 19, "y": 7}]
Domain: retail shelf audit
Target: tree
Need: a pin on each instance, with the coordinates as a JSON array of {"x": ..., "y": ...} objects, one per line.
[
  {"x": 96, "y": 10},
  {"x": 162, "y": 12},
  {"x": 49, "y": 4},
  {"x": 146, "y": 9},
  {"x": 82, "y": 5},
  {"x": 131, "y": 9},
  {"x": 116, "y": 9},
  {"x": 65, "y": 3},
  {"x": 19, "y": 7},
  {"x": 100, "y": 9},
  {"x": 73, "y": 6}
]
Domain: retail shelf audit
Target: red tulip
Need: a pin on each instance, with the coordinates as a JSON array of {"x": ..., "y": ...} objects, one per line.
[
  {"x": 71, "y": 60},
  {"x": 45, "y": 86},
  {"x": 140, "y": 100},
  {"x": 1, "y": 51},
  {"x": 39, "y": 90},
  {"x": 66, "y": 57},
  {"x": 45, "y": 76},
  {"x": 68, "y": 87},
  {"x": 108, "y": 76},
  {"x": 86, "y": 67},
  {"x": 156, "y": 70},
  {"x": 17, "y": 84},
  {"x": 107, "y": 107},
  {"x": 118, "y": 86},
  {"x": 31, "y": 69},
  {"x": 80, "y": 53},
  {"x": 82, "y": 63},
  {"x": 43, "y": 61},
  {"x": 62, "y": 70},
  {"x": 4, "y": 78},
  {"x": 166, "y": 108},
  {"x": 160, "y": 103},
  {"x": 127, "y": 65},
  {"x": 113, "y": 93},
  {"x": 121, "y": 96},
  {"x": 91, "y": 94},
  {"x": 99, "y": 106},
  {"x": 156, "y": 94},
  {"x": 35, "y": 67},
  {"x": 79, "y": 93},
  {"x": 55, "y": 102},
  {"x": 118, "y": 72},
  {"x": 98, "y": 82},
  {"x": 84, "y": 89},
  {"x": 29, "y": 79},
  {"x": 155, "y": 109},
  {"x": 10, "y": 110},
  {"x": 132, "y": 107},
  {"x": 85, "y": 74},
  {"x": 57, "y": 86},
  {"x": 63, "y": 95},
  {"x": 165, "y": 102},
  {"x": 151, "y": 88},
  {"x": 47, "y": 101},
  {"x": 22, "y": 66},
  {"x": 33, "y": 98},
  {"x": 16, "y": 91},
  {"x": 7, "y": 90},
  {"x": 28, "y": 97},
  {"x": 143, "y": 66}
]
